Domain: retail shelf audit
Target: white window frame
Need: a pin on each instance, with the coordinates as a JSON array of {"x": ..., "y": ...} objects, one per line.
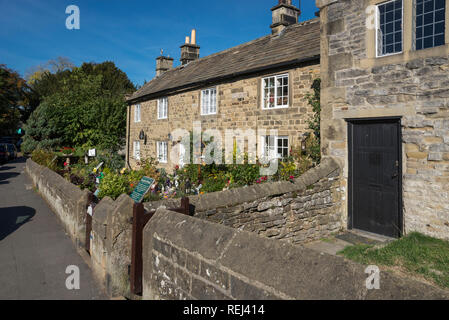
[
  {"x": 210, "y": 108},
  {"x": 162, "y": 146},
  {"x": 378, "y": 29},
  {"x": 162, "y": 108},
  {"x": 136, "y": 150},
  {"x": 274, "y": 149},
  {"x": 137, "y": 113},
  {"x": 276, "y": 106}
]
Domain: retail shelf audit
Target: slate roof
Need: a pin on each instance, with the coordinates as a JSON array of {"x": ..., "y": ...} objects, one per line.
[{"x": 297, "y": 43}]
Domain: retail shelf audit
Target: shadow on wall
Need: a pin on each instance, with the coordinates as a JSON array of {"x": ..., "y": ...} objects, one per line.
[{"x": 12, "y": 218}]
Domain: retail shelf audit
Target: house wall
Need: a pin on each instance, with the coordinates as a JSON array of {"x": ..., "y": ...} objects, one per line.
[
  {"x": 413, "y": 85},
  {"x": 238, "y": 107}
]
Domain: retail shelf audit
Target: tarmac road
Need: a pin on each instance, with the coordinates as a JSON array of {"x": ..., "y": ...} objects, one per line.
[{"x": 34, "y": 249}]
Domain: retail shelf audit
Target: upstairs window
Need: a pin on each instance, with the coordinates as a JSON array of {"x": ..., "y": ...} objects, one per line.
[
  {"x": 390, "y": 30},
  {"x": 137, "y": 113},
  {"x": 162, "y": 152},
  {"x": 275, "y": 92},
  {"x": 430, "y": 23},
  {"x": 209, "y": 101},
  {"x": 162, "y": 108}
]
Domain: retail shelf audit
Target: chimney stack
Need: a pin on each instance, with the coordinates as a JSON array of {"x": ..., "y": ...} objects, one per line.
[
  {"x": 163, "y": 64},
  {"x": 284, "y": 14},
  {"x": 190, "y": 51}
]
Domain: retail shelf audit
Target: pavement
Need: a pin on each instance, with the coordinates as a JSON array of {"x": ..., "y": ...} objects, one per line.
[{"x": 34, "y": 249}]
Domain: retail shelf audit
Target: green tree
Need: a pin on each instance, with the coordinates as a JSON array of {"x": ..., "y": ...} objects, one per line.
[
  {"x": 83, "y": 107},
  {"x": 12, "y": 92}
]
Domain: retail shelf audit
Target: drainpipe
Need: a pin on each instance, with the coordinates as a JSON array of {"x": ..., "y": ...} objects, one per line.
[{"x": 128, "y": 130}]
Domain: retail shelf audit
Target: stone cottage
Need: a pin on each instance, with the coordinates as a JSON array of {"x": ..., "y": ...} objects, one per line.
[
  {"x": 261, "y": 84},
  {"x": 384, "y": 69},
  {"x": 385, "y": 111}
]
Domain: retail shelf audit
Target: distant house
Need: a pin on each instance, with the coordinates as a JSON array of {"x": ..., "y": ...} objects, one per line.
[{"x": 259, "y": 84}]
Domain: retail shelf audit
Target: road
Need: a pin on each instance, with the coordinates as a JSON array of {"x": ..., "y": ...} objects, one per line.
[{"x": 34, "y": 249}]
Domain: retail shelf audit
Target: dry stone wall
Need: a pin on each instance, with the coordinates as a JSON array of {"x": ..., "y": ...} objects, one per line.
[{"x": 306, "y": 210}]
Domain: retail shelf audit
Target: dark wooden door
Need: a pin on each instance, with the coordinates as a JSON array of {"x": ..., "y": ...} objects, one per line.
[{"x": 375, "y": 203}]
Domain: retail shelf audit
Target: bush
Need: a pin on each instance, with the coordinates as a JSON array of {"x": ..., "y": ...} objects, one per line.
[
  {"x": 45, "y": 158},
  {"x": 113, "y": 185}
]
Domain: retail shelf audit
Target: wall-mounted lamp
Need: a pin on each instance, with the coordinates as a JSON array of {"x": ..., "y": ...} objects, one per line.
[
  {"x": 142, "y": 135},
  {"x": 169, "y": 137}
]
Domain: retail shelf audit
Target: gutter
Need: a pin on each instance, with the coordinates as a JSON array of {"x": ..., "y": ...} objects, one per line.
[{"x": 222, "y": 78}]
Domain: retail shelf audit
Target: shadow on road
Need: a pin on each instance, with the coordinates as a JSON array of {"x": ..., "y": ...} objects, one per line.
[
  {"x": 13, "y": 218},
  {"x": 5, "y": 176}
]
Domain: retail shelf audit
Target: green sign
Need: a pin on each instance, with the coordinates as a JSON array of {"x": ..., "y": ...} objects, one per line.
[{"x": 142, "y": 189}]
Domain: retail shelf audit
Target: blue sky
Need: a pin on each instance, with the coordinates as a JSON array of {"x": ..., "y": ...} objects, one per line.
[{"x": 128, "y": 32}]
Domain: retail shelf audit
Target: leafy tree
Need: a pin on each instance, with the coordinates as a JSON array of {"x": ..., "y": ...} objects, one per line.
[
  {"x": 83, "y": 107},
  {"x": 12, "y": 92}
]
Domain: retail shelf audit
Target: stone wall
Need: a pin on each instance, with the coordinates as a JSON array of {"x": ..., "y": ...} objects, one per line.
[
  {"x": 110, "y": 247},
  {"x": 66, "y": 200},
  {"x": 413, "y": 85},
  {"x": 188, "y": 258},
  {"x": 308, "y": 209},
  {"x": 238, "y": 107}
]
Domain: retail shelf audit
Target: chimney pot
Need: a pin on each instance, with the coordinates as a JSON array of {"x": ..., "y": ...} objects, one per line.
[
  {"x": 190, "y": 51},
  {"x": 193, "y": 37}
]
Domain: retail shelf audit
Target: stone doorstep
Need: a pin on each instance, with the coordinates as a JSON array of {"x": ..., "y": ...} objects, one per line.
[
  {"x": 329, "y": 246},
  {"x": 336, "y": 243}
]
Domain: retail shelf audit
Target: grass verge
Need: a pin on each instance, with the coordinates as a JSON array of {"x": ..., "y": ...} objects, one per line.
[{"x": 416, "y": 253}]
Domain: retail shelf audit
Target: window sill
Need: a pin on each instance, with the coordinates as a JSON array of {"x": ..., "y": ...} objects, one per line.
[
  {"x": 405, "y": 56},
  {"x": 275, "y": 108}
]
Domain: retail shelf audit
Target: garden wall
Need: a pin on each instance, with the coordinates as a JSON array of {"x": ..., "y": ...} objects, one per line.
[
  {"x": 65, "y": 199},
  {"x": 308, "y": 209},
  {"x": 110, "y": 246},
  {"x": 189, "y": 258}
]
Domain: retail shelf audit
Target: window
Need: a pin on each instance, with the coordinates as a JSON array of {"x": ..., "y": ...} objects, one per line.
[
  {"x": 162, "y": 152},
  {"x": 276, "y": 147},
  {"x": 137, "y": 150},
  {"x": 209, "y": 101},
  {"x": 430, "y": 23},
  {"x": 137, "y": 113},
  {"x": 162, "y": 108},
  {"x": 389, "y": 32},
  {"x": 275, "y": 92}
]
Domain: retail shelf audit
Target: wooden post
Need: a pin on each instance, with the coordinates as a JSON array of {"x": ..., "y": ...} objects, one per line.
[
  {"x": 136, "y": 252},
  {"x": 140, "y": 219}
]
